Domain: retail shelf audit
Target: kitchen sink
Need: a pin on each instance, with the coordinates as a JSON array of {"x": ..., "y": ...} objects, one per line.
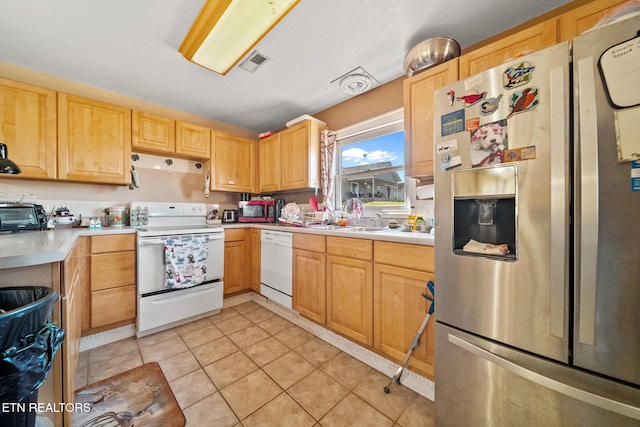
[{"x": 354, "y": 228}]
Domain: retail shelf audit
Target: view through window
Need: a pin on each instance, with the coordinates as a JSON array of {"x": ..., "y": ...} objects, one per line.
[{"x": 373, "y": 171}]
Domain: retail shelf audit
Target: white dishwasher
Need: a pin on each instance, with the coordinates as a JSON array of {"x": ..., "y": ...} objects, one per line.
[{"x": 276, "y": 266}]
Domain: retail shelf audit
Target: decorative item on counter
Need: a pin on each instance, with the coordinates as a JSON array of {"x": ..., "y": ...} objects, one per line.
[
  {"x": 64, "y": 219},
  {"x": 95, "y": 222},
  {"x": 116, "y": 217},
  {"x": 213, "y": 217},
  {"x": 313, "y": 202},
  {"x": 353, "y": 206},
  {"x": 139, "y": 216},
  {"x": 411, "y": 220}
]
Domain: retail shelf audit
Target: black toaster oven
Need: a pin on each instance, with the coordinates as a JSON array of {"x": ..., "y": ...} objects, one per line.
[{"x": 22, "y": 216}]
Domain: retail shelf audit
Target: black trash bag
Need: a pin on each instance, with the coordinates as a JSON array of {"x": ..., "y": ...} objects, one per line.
[{"x": 28, "y": 340}]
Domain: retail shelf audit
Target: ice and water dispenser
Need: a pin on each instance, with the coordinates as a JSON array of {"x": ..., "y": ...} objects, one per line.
[{"x": 485, "y": 208}]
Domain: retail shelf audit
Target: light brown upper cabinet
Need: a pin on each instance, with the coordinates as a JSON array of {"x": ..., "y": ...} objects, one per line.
[
  {"x": 232, "y": 163},
  {"x": 94, "y": 141},
  {"x": 269, "y": 163},
  {"x": 28, "y": 127},
  {"x": 193, "y": 141},
  {"x": 418, "y": 116},
  {"x": 300, "y": 156},
  {"x": 493, "y": 54},
  {"x": 577, "y": 21},
  {"x": 152, "y": 134}
]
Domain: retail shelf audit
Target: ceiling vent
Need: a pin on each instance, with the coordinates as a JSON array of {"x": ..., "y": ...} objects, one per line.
[
  {"x": 355, "y": 82},
  {"x": 254, "y": 61}
]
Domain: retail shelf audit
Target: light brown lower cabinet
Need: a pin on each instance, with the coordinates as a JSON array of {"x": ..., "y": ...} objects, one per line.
[
  {"x": 113, "y": 280},
  {"x": 236, "y": 273},
  {"x": 350, "y": 288},
  {"x": 254, "y": 247},
  {"x": 75, "y": 272},
  {"x": 309, "y": 277},
  {"x": 401, "y": 273}
]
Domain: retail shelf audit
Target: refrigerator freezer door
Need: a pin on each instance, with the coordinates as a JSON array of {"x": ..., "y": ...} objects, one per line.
[
  {"x": 607, "y": 233},
  {"x": 521, "y": 298},
  {"x": 481, "y": 383}
]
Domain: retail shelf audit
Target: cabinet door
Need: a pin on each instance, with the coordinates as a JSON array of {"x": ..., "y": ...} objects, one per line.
[
  {"x": 232, "y": 163},
  {"x": 152, "y": 134},
  {"x": 300, "y": 156},
  {"x": 254, "y": 236},
  {"x": 94, "y": 141},
  {"x": 491, "y": 55},
  {"x": 309, "y": 285},
  {"x": 418, "y": 116},
  {"x": 399, "y": 310},
  {"x": 28, "y": 127},
  {"x": 580, "y": 19},
  {"x": 192, "y": 141},
  {"x": 113, "y": 305},
  {"x": 235, "y": 267},
  {"x": 350, "y": 298},
  {"x": 269, "y": 161},
  {"x": 111, "y": 270},
  {"x": 74, "y": 274}
]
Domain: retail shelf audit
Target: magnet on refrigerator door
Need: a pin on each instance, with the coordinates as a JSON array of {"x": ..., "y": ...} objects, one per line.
[{"x": 518, "y": 76}]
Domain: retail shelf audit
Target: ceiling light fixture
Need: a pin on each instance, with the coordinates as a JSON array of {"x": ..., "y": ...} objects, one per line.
[
  {"x": 355, "y": 82},
  {"x": 225, "y": 30}
]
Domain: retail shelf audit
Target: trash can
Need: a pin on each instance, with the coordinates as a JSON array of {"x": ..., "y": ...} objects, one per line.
[{"x": 28, "y": 344}]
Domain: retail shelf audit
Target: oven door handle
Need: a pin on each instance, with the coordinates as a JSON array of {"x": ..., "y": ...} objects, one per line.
[
  {"x": 160, "y": 240},
  {"x": 144, "y": 242},
  {"x": 172, "y": 298}
]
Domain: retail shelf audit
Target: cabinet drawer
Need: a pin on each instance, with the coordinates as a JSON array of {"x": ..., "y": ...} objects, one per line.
[
  {"x": 113, "y": 243},
  {"x": 112, "y": 270},
  {"x": 113, "y": 305},
  {"x": 352, "y": 248},
  {"x": 233, "y": 234},
  {"x": 416, "y": 257},
  {"x": 309, "y": 242}
]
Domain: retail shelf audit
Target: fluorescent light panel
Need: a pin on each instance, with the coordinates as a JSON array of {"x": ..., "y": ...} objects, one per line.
[{"x": 226, "y": 30}]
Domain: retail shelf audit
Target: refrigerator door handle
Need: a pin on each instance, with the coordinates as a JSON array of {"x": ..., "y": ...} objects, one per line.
[
  {"x": 588, "y": 237},
  {"x": 558, "y": 79},
  {"x": 576, "y": 393}
]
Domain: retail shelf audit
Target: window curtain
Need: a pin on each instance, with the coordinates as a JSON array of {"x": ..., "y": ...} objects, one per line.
[{"x": 327, "y": 173}]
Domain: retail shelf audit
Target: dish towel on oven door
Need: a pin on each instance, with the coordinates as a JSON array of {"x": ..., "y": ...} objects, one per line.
[{"x": 186, "y": 261}]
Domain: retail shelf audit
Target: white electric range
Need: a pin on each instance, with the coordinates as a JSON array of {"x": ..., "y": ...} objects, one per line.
[{"x": 162, "y": 301}]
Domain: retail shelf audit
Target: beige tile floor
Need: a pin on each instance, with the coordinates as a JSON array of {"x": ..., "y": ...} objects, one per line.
[{"x": 249, "y": 367}]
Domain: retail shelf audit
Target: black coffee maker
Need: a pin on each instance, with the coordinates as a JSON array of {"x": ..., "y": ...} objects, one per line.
[{"x": 279, "y": 206}]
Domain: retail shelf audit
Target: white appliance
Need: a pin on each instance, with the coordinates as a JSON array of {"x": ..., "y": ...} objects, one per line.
[
  {"x": 276, "y": 266},
  {"x": 537, "y": 242},
  {"x": 159, "y": 306}
]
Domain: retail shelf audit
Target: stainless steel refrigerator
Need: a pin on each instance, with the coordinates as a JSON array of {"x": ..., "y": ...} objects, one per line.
[{"x": 537, "y": 238}]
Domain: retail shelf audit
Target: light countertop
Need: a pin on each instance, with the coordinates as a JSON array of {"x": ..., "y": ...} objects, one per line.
[
  {"x": 413, "y": 238},
  {"x": 27, "y": 248}
]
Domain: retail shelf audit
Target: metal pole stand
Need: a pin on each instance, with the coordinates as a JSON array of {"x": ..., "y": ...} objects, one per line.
[{"x": 416, "y": 339}]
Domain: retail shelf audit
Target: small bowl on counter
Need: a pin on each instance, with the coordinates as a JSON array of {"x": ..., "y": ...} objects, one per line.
[{"x": 406, "y": 227}]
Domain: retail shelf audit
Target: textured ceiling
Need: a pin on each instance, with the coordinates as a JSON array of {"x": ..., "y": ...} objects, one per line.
[{"x": 131, "y": 47}]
